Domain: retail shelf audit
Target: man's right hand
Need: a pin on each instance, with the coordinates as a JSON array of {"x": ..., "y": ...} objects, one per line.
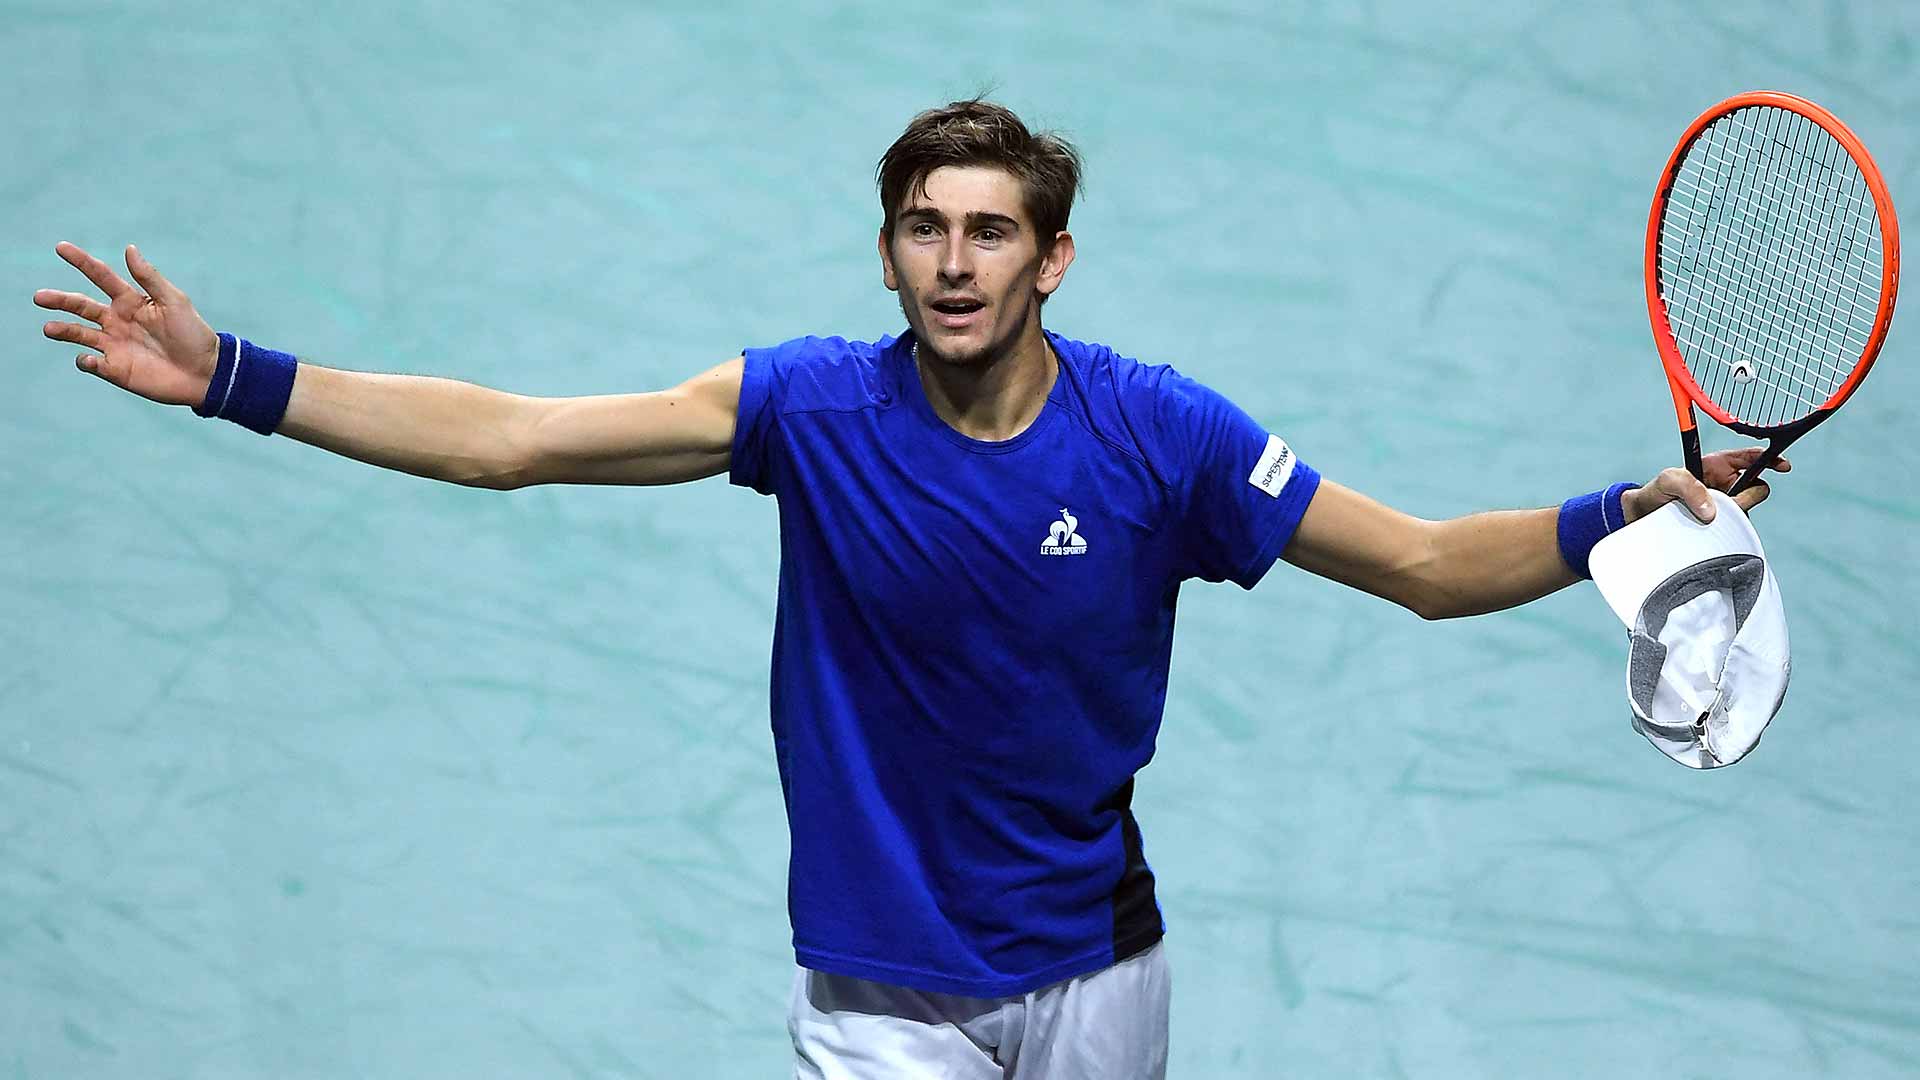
[{"x": 153, "y": 343}]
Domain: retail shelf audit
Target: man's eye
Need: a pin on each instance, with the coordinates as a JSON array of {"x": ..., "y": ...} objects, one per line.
[
  {"x": 923, "y": 230},
  {"x": 990, "y": 236}
]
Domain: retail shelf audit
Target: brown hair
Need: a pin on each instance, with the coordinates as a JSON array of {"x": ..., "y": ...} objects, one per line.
[{"x": 979, "y": 132}]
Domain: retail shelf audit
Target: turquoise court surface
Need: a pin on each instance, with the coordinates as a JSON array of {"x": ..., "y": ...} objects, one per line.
[{"x": 313, "y": 770}]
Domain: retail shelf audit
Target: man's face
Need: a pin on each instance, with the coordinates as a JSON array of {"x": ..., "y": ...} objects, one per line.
[{"x": 967, "y": 264}]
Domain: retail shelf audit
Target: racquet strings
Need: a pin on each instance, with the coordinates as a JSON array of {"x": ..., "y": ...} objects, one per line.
[{"x": 1769, "y": 264}]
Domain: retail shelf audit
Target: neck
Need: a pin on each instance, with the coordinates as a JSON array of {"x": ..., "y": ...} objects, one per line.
[{"x": 996, "y": 397}]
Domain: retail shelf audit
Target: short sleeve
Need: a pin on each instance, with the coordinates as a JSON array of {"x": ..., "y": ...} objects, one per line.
[
  {"x": 1243, "y": 490},
  {"x": 809, "y": 374},
  {"x": 758, "y": 416}
]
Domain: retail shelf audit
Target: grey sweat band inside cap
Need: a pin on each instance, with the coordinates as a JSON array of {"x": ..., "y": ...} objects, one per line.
[{"x": 1739, "y": 576}]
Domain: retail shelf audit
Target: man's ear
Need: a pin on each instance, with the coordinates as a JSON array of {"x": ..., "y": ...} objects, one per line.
[
  {"x": 886, "y": 262},
  {"x": 1053, "y": 265}
]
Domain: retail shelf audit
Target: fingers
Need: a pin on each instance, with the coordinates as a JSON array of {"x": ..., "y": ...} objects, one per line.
[
  {"x": 1746, "y": 456},
  {"x": 97, "y": 272},
  {"x": 73, "y": 303},
  {"x": 1679, "y": 485},
  {"x": 1723, "y": 468},
  {"x": 1671, "y": 485},
  {"x": 1755, "y": 494},
  {"x": 102, "y": 368},
  {"x": 89, "y": 336},
  {"x": 143, "y": 272}
]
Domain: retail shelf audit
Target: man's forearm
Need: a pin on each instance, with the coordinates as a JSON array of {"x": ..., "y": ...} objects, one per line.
[
  {"x": 441, "y": 429},
  {"x": 1492, "y": 561},
  {"x": 1437, "y": 569}
]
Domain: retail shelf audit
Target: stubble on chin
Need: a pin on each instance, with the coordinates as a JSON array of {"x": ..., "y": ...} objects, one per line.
[{"x": 969, "y": 355}]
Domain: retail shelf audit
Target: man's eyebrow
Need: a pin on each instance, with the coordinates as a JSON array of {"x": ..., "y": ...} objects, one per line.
[
  {"x": 978, "y": 218},
  {"x": 974, "y": 218}
]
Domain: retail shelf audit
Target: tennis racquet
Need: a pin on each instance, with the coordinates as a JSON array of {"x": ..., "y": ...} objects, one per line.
[{"x": 1773, "y": 258}]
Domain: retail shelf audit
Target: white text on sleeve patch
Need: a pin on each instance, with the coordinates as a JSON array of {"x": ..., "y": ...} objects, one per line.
[{"x": 1275, "y": 466}]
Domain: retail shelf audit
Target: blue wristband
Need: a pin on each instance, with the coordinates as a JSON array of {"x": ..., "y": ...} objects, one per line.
[
  {"x": 1585, "y": 520},
  {"x": 251, "y": 385},
  {"x": 222, "y": 383}
]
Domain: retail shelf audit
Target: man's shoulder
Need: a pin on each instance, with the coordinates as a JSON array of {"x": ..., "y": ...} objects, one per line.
[
  {"x": 1143, "y": 397},
  {"x": 1126, "y": 403},
  {"x": 1090, "y": 360},
  {"x": 817, "y": 373}
]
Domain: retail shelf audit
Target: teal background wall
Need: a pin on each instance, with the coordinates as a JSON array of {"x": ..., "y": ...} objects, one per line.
[{"x": 310, "y": 770}]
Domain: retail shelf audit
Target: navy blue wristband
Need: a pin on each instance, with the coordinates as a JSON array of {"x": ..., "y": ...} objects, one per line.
[
  {"x": 251, "y": 385},
  {"x": 1585, "y": 520},
  {"x": 222, "y": 383}
]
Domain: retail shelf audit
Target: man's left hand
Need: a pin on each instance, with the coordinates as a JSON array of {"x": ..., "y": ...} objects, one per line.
[{"x": 1678, "y": 485}]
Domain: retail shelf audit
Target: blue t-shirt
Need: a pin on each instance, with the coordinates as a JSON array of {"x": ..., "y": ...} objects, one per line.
[{"x": 970, "y": 653}]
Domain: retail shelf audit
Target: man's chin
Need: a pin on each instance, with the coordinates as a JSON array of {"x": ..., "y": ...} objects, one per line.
[
  {"x": 958, "y": 350},
  {"x": 983, "y": 340},
  {"x": 954, "y": 353}
]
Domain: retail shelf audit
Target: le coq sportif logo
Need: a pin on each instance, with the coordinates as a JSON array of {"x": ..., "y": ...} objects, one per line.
[{"x": 1063, "y": 536}]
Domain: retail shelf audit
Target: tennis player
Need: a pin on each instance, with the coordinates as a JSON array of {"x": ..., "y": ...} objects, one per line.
[{"x": 984, "y": 526}]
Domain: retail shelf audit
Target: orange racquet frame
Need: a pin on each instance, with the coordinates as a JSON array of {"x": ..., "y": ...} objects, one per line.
[{"x": 1686, "y": 390}]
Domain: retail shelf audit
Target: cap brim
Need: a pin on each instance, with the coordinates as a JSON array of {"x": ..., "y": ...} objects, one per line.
[{"x": 1629, "y": 563}]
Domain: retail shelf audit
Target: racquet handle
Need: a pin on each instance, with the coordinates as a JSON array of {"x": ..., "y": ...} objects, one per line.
[{"x": 1690, "y": 449}]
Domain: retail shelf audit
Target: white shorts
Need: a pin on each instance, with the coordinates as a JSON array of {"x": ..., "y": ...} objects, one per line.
[{"x": 1109, "y": 1024}]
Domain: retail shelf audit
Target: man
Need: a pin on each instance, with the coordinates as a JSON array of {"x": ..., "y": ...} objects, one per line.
[{"x": 984, "y": 527}]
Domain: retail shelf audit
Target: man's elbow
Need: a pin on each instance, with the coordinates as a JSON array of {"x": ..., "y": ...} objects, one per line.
[
  {"x": 1421, "y": 587},
  {"x": 513, "y": 459},
  {"x": 1435, "y": 608},
  {"x": 497, "y": 482},
  {"x": 1434, "y": 601},
  {"x": 503, "y": 474},
  {"x": 1428, "y": 603}
]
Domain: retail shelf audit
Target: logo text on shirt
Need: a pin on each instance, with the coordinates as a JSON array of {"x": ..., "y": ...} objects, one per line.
[
  {"x": 1276, "y": 463},
  {"x": 1063, "y": 537}
]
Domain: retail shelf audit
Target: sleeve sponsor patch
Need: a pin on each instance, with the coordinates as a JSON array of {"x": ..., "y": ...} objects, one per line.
[{"x": 1275, "y": 466}]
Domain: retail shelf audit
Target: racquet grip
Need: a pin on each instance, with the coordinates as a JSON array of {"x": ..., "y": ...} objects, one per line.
[{"x": 1690, "y": 449}]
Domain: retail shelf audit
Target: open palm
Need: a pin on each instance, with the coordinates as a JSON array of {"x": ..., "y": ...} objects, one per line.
[{"x": 153, "y": 344}]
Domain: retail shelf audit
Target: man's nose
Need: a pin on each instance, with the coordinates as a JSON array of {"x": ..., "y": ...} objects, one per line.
[{"x": 956, "y": 262}]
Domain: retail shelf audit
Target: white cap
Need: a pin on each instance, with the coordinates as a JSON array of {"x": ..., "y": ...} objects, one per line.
[{"x": 1708, "y": 663}]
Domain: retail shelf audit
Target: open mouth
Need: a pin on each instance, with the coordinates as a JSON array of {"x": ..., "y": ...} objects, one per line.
[{"x": 956, "y": 307}]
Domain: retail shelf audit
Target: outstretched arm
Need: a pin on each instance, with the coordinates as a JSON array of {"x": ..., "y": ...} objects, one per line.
[
  {"x": 467, "y": 434},
  {"x": 150, "y": 341},
  {"x": 1481, "y": 562}
]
